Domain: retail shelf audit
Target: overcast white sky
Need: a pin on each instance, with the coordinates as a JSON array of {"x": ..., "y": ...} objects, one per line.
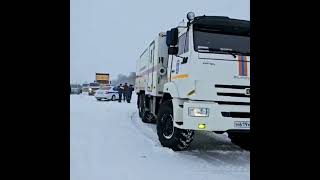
[{"x": 109, "y": 36}]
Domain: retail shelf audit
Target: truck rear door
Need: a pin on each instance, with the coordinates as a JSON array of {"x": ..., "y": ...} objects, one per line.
[{"x": 151, "y": 67}]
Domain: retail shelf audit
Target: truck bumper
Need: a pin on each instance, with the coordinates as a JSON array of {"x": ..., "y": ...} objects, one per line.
[{"x": 220, "y": 118}]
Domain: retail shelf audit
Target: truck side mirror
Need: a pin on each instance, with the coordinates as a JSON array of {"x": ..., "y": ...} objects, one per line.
[
  {"x": 172, "y": 37},
  {"x": 172, "y": 50}
]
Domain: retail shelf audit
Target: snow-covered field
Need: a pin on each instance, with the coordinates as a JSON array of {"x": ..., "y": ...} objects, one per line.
[{"x": 109, "y": 142}]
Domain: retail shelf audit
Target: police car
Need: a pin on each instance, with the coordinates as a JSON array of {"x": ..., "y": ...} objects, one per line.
[{"x": 107, "y": 92}]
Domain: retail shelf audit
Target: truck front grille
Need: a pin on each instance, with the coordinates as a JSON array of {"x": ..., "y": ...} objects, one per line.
[
  {"x": 236, "y": 95},
  {"x": 231, "y": 86},
  {"x": 233, "y": 90},
  {"x": 233, "y": 103},
  {"x": 236, "y": 114},
  {"x": 232, "y": 94}
]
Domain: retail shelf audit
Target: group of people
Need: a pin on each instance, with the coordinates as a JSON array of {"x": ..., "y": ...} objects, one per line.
[{"x": 125, "y": 91}]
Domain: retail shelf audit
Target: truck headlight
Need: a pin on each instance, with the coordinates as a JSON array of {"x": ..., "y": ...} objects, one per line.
[{"x": 198, "y": 112}]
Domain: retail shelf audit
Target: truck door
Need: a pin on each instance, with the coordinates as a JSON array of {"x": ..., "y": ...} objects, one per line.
[
  {"x": 177, "y": 68},
  {"x": 151, "y": 67}
]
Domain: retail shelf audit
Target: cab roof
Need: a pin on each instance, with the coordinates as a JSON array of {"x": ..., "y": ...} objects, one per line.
[{"x": 222, "y": 24}]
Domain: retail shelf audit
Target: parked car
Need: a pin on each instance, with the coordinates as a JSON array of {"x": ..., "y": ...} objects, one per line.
[
  {"x": 85, "y": 87},
  {"x": 108, "y": 93},
  {"x": 93, "y": 87},
  {"x": 76, "y": 89}
]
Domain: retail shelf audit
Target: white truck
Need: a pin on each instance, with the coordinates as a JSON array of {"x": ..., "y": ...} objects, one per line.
[{"x": 197, "y": 77}]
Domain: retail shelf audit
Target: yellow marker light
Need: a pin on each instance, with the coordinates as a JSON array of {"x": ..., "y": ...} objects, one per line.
[{"x": 201, "y": 126}]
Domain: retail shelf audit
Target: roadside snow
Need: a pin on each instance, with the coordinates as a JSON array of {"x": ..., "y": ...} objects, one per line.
[{"x": 109, "y": 142}]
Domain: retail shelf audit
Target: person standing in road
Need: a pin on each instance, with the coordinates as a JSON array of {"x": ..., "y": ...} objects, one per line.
[
  {"x": 130, "y": 90},
  {"x": 125, "y": 91},
  {"x": 120, "y": 91}
]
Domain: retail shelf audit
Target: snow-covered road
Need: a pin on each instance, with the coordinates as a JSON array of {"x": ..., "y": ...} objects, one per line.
[{"x": 109, "y": 142}]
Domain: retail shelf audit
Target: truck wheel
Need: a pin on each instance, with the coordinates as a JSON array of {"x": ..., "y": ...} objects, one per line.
[
  {"x": 241, "y": 140},
  {"x": 140, "y": 106},
  {"x": 113, "y": 98},
  {"x": 138, "y": 99},
  {"x": 148, "y": 117},
  {"x": 145, "y": 116},
  {"x": 170, "y": 136},
  {"x": 98, "y": 99}
]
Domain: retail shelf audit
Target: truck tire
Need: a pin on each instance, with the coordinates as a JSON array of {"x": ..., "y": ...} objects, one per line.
[
  {"x": 140, "y": 105},
  {"x": 170, "y": 136},
  {"x": 145, "y": 116},
  {"x": 98, "y": 99},
  {"x": 148, "y": 117},
  {"x": 241, "y": 140}
]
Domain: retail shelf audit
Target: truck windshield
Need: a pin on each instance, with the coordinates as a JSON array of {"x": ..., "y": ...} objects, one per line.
[{"x": 214, "y": 41}]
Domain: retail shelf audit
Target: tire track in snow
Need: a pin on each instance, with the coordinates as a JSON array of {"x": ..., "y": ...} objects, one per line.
[
  {"x": 220, "y": 164},
  {"x": 144, "y": 129},
  {"x": 207, "y": 157},
  {"x": 219, "y": 152}
]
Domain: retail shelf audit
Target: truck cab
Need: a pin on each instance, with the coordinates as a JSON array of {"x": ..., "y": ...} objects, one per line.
[
  {"x": 93, "y": 87},
  {"x": 207, "y": 81}
]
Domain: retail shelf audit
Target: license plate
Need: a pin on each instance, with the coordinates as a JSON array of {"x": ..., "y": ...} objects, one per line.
[{"x": 242, "y": 124}]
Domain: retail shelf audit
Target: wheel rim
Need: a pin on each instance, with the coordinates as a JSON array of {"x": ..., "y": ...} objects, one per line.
[
  {"x": 168, "y": 126},
  {"x": 112, "y": 98},
  {"x": 149, "y": 116}
]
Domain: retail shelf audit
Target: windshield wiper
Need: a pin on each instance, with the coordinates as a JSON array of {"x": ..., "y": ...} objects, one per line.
[
  {"x": 234, "y": 52},
  {"x": 222, "y": 50}
]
